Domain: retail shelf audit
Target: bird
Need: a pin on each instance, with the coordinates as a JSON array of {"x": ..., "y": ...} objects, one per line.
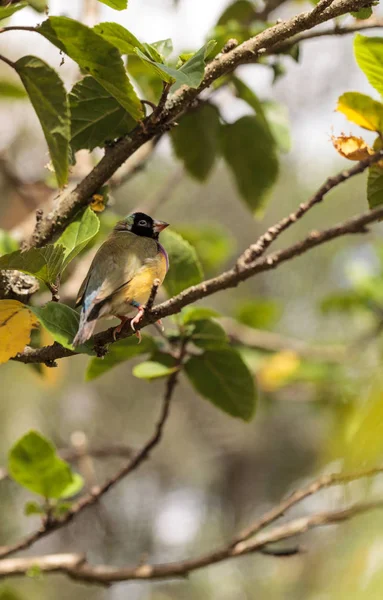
[{"x": 122, "y": 274}]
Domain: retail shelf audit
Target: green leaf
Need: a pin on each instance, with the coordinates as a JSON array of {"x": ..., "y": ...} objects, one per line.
[
  {"x": 362, "y": 110},
  {"x": 185, "y": 269},
  {"x": 148, "y": 82},
  {"x": 222, "y": 377},
  {"x": 190, "y": 73},
  {"x": 62, "y": 323},
  {"x": 48, "y": 96},
  {"x": 34, "y": 464},
  {"x": 78, "y": 234},
  {"x": 120, "y": 37},
  {"x": 163, "y": 47},
  {"x": 260, "y": 313},
  {"x": 116, "y": 4},
  {"x": 214, "y": 243},
  {"x": 33, "y": 508},
  {"x": 97, "y": 117},
  {"x": 10, "y": 89},
  {"x": 363, "y": 13},
  {"x": 209, "y": 335},
  {"x": 74, "y": 487},
  {"x": 249, "y": 151},
  {"x": 118, "y": 353},
  {"x": 277, "y": 117},
  {"x": 7, "y": 243},
  {"x": 96, "y": 56},
  {"x": 242, "y": 11},
  {"x": 375, "y": 186},
  {"x": 152, "y": 370},
  {"x": 196, "y": 140},
  {"x": 369, "y": 56},
  {"x": 8, "y": 11},
  {"x": 44, "y": 263},
  {"x": 38, "y": 5},
  {"x": 190, "y": 314}
]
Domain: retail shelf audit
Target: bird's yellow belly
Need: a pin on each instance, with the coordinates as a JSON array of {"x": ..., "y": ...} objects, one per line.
[{"x": 139, "y": 288}]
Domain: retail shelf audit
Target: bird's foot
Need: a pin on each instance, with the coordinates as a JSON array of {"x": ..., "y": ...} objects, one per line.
[
  {"x": 136, "y": 320},
  {"x": 117, "y": 330}
]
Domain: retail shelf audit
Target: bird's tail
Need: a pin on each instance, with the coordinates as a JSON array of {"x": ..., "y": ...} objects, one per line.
[
  {"x": 85, "y": 331},
  {"x": 86, "y": 327}
]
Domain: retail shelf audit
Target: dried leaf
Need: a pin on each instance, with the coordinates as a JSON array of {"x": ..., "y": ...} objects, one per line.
[
  {"x": 351, "y": 147},
  {"x": 16, "y": 322}
]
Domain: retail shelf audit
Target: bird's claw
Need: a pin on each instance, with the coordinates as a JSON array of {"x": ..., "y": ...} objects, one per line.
[{"x": 136, "y": 320}]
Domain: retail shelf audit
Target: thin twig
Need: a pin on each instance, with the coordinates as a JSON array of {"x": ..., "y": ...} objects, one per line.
[
  {"x": 275, "y": 231},
  {"x": 98, "y": 492},
  {"x": 76, "y": 567}
]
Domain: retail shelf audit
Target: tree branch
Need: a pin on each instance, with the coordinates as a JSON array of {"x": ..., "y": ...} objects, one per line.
[
  {"x": 76, "y": 566},
  {"x": 249, "y": 264},
  {"x": 98, "y": 492},
  {"x": 178, "y": 103}
]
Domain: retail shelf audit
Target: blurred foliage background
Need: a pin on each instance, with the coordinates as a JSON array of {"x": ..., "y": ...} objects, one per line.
[{"x": 320, "y": 378}]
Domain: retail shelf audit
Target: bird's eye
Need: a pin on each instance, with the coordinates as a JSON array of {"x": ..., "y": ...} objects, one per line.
[{"x": 142, "y": 223}]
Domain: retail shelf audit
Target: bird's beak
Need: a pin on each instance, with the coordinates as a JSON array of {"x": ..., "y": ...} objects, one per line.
[{"x": 159, "y": 226}]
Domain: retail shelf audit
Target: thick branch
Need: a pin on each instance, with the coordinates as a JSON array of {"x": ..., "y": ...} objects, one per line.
[
  {"x": 156, "y": 123},
  {"x": 248, "y": 265}
]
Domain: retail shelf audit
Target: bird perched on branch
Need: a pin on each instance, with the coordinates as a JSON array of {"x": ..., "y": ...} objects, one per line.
[{"x": 122, "y": 274}]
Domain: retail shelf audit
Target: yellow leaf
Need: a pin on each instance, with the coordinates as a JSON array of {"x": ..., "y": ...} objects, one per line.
[
  {"x": 16, "y": 322},
  {"x": 362, "y": 110},
  {"x": 97, "y": 203},
  {"x": 278, "y": 369},
  {"x": 351, "y": 147}
]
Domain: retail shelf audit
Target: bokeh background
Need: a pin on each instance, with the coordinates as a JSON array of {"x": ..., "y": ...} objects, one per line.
[{"x": 320, "y": 406}]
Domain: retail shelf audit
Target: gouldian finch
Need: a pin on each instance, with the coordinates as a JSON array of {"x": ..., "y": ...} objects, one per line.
[{"x": 122, "y": 274}]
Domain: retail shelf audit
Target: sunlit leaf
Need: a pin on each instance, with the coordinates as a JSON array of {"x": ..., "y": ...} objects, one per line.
[
  {"x": 120, "y": 37},
  {"x": 185, "y": 269},
  {"x": 153, "y": 369},
  {"x": 96, "y": 56},
  {"x": 34, "y": 464},
  {"x": 16, "y": 323},
  {"x": 222, "y": 377},
  {"x": 116, "y": 4},
  {"x": 250, "y": 152},
  {"x": 369, "y": 56},
  {"x": 196, "y": 140},
  {"x": 48, "y": 96},
  {"x": 38, "y": 5},
  {"x": 44, "y": 263},
  {"x": 78, "y": 234},
  {"x": 118, "y": 353},
  {"x": 362, "y": 110}
]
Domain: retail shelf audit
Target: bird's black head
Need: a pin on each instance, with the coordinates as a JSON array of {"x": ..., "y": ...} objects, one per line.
[{"x": 141, "y": 224}]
